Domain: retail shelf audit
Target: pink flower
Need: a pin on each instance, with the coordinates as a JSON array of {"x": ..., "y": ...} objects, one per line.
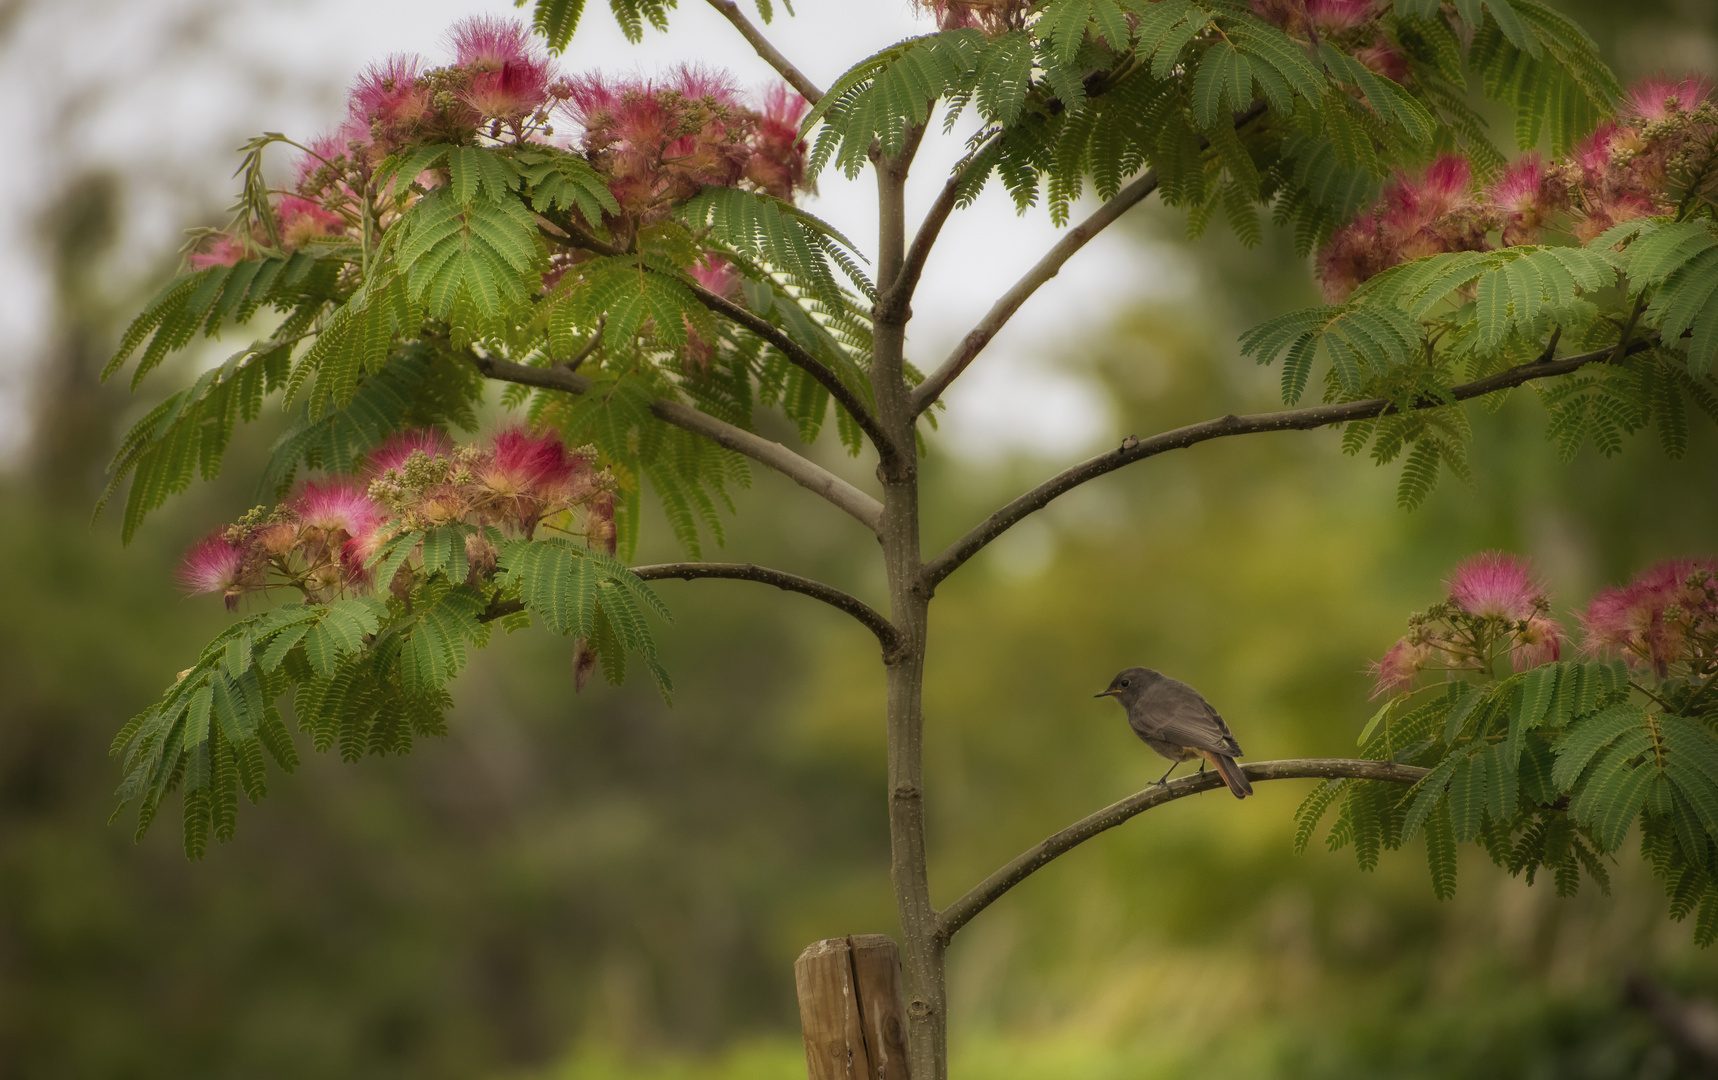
[
  {"x": 1521, "y": 200},
  {"x": 1539, "y": 642},
  {"x": 524, "y": 475},
  {"x": 660, "y": 143},
  {"x": 991, "y": 16},
  {"x": 1593, "y": 154},
  {"x": 1382, "y": 58},
  {"x": 1496, "y": 585},
  {"x": 1351, "y": 255},
  {"x": 302, "y": 220},
  {"x": 389, "y": 102},
  {"x": 777, "y": 165},
  {"x": 224, "y": 250},
  {"x": 1335, "y": 16},
  {"x": 1399, "y": 667},
  {"x": 335, "y": 506},
  {"x": 716, "y": 274},
  {"x": 214, "y": 565},
  {"x": 509, "y": 77},
  {"x": 1648, "y": 621},
  {"x": 1654, "y": 99},
  {"x": 394, "y": 451}
]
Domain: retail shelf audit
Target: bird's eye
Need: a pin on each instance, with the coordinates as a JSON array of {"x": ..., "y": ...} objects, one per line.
[{"x": 1124, "y": 682}]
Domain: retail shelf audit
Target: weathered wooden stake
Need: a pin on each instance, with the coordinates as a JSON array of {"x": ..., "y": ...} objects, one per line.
[{"x": 851, "y": 1009}]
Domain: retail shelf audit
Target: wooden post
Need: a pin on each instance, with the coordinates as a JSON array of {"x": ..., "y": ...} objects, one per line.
[{"x": 851, "y": 1009}]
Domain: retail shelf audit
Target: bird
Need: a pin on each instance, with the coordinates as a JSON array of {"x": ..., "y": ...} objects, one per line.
[{"x": 1176, "y": 721}]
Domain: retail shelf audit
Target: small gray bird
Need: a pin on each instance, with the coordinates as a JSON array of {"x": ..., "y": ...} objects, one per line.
[{"x": 1175, "y": 720}]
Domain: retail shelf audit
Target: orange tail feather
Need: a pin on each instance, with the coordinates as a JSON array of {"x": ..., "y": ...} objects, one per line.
[{"x": 1231, "y": 773}]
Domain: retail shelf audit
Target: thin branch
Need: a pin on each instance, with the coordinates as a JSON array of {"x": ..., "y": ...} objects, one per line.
[
  {"x": 1045, "y": 269},
  {"x": 986, "y": 892},
  {"x": 771, "y": 55},
  {"x": 800, "y": 357},
  {"x": 802, "y": 471},
  {"x": 900, "y": 297},
  {"x": 795, "y": 353},
  {"x": 874, "y": 620},
  {"x": 1133, "y": 449}
]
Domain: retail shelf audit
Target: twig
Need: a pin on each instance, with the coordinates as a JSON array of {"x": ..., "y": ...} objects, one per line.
[
  {"x": 802, "y": 471},
  {"x": 1133, "y": 449},
  {"x": 771, "y": 55},
  {"x": 796, "y": 354},
  {"x": 1045, "y": 269},
  {"x": 900, "y": 297},
  {"x": 873, "y": 619},
  {"x": 986, "y": 892},
  {"x": 799, "y": 356}
]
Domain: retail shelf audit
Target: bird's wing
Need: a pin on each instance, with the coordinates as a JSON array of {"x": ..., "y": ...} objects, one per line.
[{"x": 1175, "y": 712}]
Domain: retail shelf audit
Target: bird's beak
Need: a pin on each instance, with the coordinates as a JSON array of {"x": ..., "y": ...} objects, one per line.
[{"x": 1106, "y": 693}]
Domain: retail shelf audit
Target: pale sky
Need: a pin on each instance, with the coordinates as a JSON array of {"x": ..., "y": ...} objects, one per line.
[{"x": 163, "y": 90}]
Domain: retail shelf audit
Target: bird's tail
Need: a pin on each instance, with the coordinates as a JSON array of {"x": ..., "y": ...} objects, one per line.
[{"x": 1231, "y": 773}]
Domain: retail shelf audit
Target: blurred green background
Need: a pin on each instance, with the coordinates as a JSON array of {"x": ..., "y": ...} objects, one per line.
[{"x": 597, "y": 886}]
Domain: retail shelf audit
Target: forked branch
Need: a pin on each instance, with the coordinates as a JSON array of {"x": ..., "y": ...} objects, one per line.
[
  {"x": 571, "y": 235},
  {"x": 1045, "y": 269},
  {"x": 986, "y": 892},
  {"x": 800, "y": 357},
  {"x": 873, "y": 620},
  {"x": 1132, "y": 449},
  {"x": 770, "y": 54},
  {"x": 802, "y": 471}
]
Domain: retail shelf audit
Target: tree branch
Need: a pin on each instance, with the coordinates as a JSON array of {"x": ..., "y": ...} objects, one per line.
[
  {"x": 1045, "y": 269},
  {"x": 900, "y": 296},
  {"x": 1132, "y": 449},
  {"x": 771, "y": 55},
  {"x": 801, "y": 358},
  {"x": 986, "y": 892},
  {"x": 796, "y": 353},
  {"x": 800, "y": 470},
  {"x": 874, "y": 620}
]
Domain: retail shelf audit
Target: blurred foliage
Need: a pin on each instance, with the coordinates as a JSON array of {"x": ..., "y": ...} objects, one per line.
[{"x": 582, "y": 888}]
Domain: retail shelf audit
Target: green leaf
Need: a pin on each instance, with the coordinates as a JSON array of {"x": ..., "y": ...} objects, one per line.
[{"x": 1585, "y": 738}]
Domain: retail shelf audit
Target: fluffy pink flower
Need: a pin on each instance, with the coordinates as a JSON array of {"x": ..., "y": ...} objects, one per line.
[
  {"x": 1432, "y": 213},
  {"x": 335, "y": 506},
  {"x": 509, "y": 76},
  {"x": 1353, "y": 253},
  {"x": 1336, "y": 16},
  {"x": 1399, "y": 667},
  {"x": 1658, "y": 98},
  {"x": 224, "y": 250},
  {"x": 1521, "y": 200},
  {"x": 990, "y": 16},
  {"x": 1540, "y": 642},
  {"x": 661, "y": 142},
  {"x": 525, "y": 475},
  {"x": 777, "y": 165},
  {"x": 1593, "y": 154},
  {"x": 394, "y": 451},
  {"x": 1647, "y": 620},
  {"x": 302, "y": 220},
  {"x": 716, "y": 274},
  {"x": 1382, "y": 58},
  {"x": 387, "y": 102},
  {"x": 1494, "y": 584},
  {"x": 214, "y": 565}
]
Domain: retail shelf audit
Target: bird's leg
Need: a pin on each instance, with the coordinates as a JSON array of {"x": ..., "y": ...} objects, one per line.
[
  {"x": 1164, "y": 779},
  {"x": 1202, "y": 764}
]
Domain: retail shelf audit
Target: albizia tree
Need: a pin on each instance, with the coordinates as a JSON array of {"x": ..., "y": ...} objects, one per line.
[{"x": 626, "y": 256}]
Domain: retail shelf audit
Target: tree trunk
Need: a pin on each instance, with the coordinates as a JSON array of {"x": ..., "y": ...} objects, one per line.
[{"x": 909, "y": 601}]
